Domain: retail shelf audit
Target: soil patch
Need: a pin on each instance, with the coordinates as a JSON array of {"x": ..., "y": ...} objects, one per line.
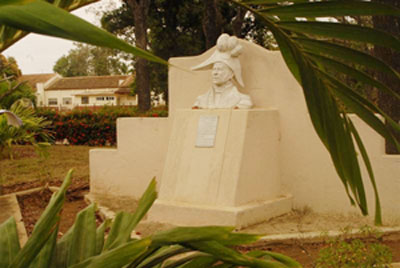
[
  {"x": 32, "y": 206},
  {"x": 77, "y": 184}
]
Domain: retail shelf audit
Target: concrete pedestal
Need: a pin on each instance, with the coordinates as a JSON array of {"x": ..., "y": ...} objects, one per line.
[{"x": 234, "y": 182}]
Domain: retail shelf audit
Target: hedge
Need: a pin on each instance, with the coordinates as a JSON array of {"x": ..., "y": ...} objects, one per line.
[{"x": 92, "y": 127}]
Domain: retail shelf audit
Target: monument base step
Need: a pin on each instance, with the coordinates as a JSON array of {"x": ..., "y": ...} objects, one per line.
[{"x": 186, "y": 214}]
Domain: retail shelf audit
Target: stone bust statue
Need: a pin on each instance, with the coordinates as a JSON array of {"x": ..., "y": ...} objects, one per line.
[{"x": 226, "y": 68}]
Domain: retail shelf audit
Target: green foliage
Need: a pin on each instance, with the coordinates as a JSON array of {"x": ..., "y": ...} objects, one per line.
[
  {"x": 85, "y": 60},
  {"x": 11, "y": 89},
  {"x": 33, "y": 131},
  {"x": 92, "y": 127},
  {"x": 18, "y": 98},
  {"x": 84, "y": 245},
  {"x": 341, "y": 252}
]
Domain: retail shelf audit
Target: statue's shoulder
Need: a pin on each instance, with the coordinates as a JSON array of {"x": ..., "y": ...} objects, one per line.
[
  {"x": 202, "y": 100},
  {"x": 244, "y": 101},
  {"x": 204, "y": 97}
]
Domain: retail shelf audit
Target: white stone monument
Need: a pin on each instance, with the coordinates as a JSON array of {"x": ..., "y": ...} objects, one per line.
[
  {"x": 222, "y": 162},
  {"x": 242, "y": 168}
]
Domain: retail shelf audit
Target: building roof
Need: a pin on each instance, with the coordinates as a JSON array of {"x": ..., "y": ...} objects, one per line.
[
  {"x": 33, "y": 79},
  {"x": 91, "y": 82},
  {"x": 128, "y": 82}
]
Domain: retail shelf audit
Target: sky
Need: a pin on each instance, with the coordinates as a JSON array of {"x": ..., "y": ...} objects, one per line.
[{"x": 38, "y": 54}]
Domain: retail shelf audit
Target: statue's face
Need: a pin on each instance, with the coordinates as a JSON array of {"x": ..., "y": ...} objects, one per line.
[{"x": 221, "y": 73}]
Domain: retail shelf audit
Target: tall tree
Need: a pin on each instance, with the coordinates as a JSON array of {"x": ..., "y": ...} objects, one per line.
[
  {"x": 140, "y": 9},
  {"x": 179, "y": 28},
  {"x": 386, "y": 102},
  {"x": 86, "y": 60},
  {"x": 212, "y": 22}
]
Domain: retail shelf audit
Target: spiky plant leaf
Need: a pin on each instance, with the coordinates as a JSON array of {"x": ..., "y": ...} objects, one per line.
[
  {"x": 46, "y": 253},
  {"x": 117, "y": 257},
  {"x": 100, "y": 232},
  {"x": 83, "y": 240},
  {"x": 124, "y": 222},
  {"x": 9, "y": 242},
  {"x": 44, "y": 227},
  {"x": 180, "y": 235},
  {"x": 231, "y": 256}
]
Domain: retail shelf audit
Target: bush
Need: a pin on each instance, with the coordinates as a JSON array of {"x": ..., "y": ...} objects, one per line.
[
  {"x": 33, "y": 131},
  {"x": 93, "y": 127}
]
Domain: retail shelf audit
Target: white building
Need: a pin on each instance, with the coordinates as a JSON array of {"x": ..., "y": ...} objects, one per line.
[{"x": 52, "y": 90}]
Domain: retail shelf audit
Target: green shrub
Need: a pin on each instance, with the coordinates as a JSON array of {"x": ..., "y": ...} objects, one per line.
[
  {"x": 93, "y": 127},
  {"x": 84, "y": 245},
  {"x": 33, "y": 131}
]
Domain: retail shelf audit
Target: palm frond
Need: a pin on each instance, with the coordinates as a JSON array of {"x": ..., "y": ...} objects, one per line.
[{"x": 312, "y": 54}]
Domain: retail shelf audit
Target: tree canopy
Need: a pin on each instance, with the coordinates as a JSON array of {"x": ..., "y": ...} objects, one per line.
[
  {"x": 184, "y": 28},
  {"x": 85, "y": 60}
]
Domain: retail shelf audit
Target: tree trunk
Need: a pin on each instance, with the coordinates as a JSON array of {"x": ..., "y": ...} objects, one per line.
[
  {"x": 212, "y": 22},
  {"x": 237, "y": 22},
  {"x": 140, "y": 11},
  {"x": 387, "y": 103}
]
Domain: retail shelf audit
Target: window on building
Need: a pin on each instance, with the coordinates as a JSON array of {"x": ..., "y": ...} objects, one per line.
[
  {"x": 99, "y": 98},
  {"x": 52, "y": 101},
  {"x": 85, "y": 100},
  {"x": 67, "y": 101},
  {"x": 110, "y": 98}
]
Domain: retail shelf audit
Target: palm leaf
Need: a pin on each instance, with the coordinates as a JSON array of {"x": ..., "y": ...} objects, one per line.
[
  {"x": 311, "y": 56},
  {"x": 331, "y": 9},
  {"x": 342, "y": 31},
  {"x": 10, "y": 35},
  {"x": 52, "y": 21},
  {"x": 358, "y": 75},
  {"x": 340, "y": 52}
]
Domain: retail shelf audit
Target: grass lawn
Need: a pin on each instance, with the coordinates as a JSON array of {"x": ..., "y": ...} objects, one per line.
[{"x": 27, "y": 166}]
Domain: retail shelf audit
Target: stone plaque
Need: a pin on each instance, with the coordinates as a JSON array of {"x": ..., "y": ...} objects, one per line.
[{"x": 207, "y": 131}]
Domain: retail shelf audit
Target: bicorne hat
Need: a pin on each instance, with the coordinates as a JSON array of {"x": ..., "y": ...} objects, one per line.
[{"x": 228, "y": 51}]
